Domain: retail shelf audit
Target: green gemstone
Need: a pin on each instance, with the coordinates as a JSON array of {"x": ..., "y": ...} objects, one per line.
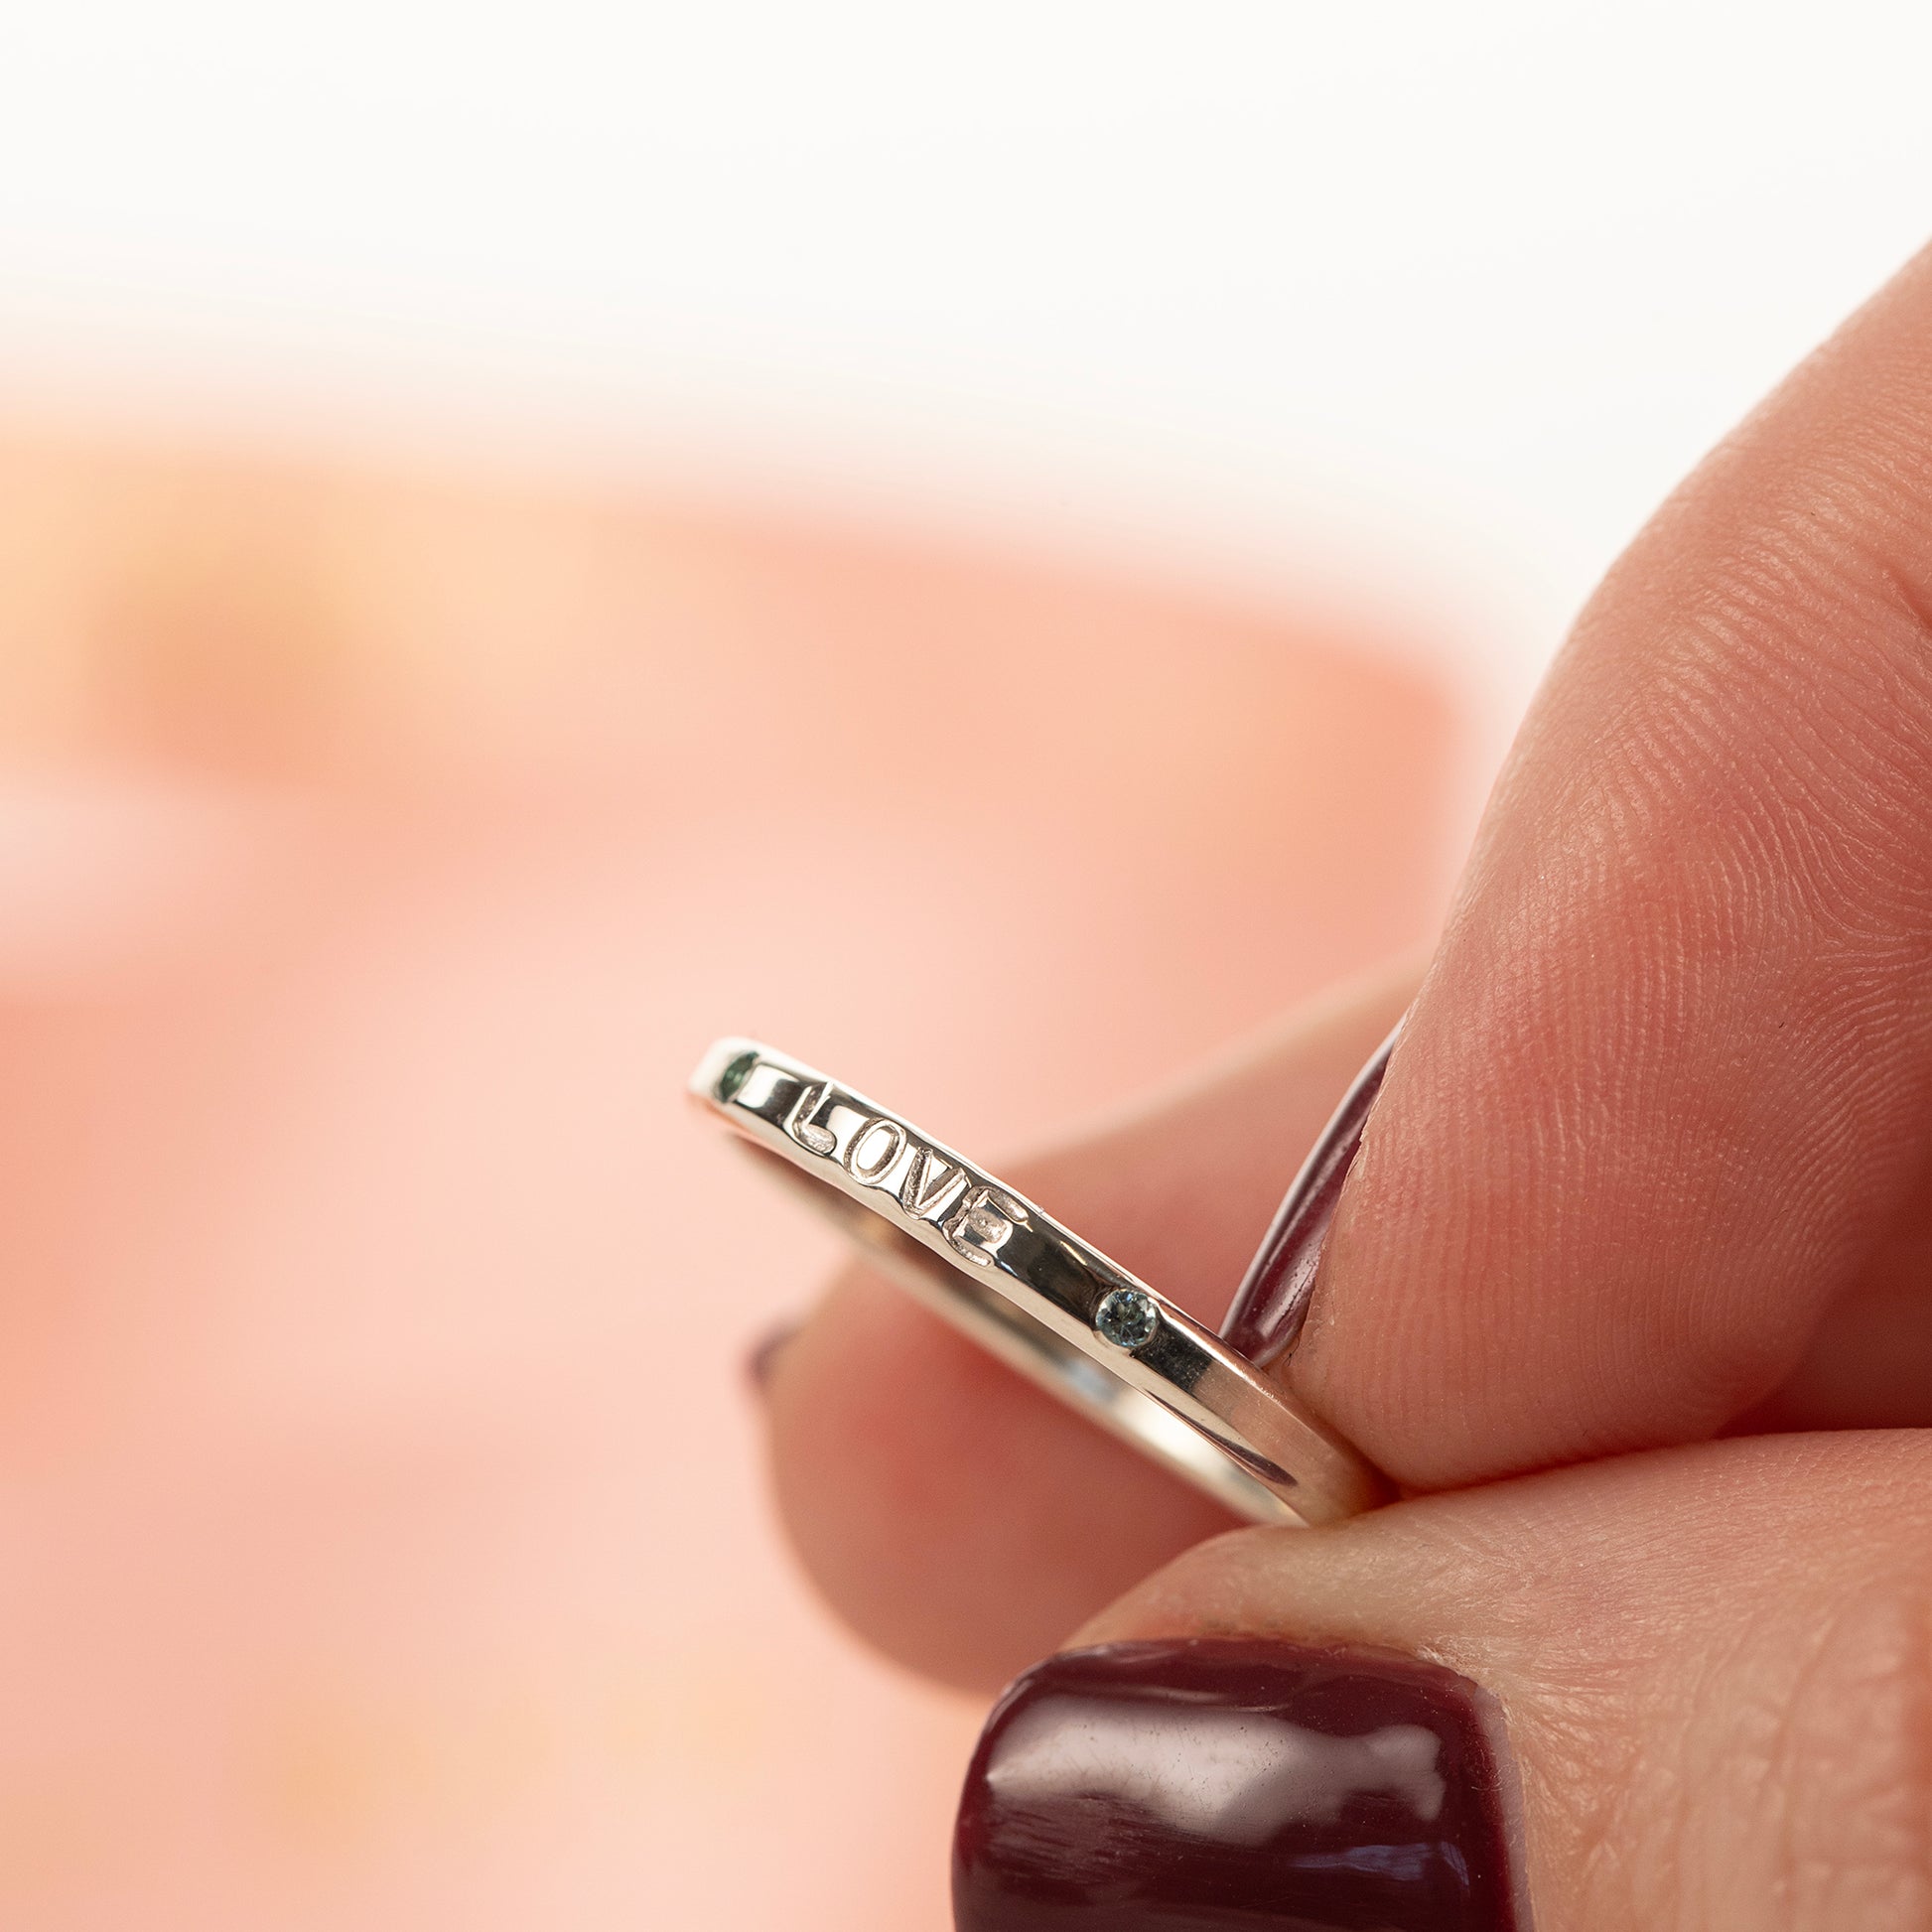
[{"x": 736, "y": 1075}]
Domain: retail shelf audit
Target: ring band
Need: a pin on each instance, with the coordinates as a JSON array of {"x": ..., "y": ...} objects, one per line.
[{"x": 985, "y": 1258}]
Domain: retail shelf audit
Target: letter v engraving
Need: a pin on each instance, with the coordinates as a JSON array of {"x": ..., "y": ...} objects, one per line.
[{"x": 924, "y": 1196}]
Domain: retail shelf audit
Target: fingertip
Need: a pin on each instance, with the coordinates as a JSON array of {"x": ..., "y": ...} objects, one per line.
[{"x": 956, "y": 1517}]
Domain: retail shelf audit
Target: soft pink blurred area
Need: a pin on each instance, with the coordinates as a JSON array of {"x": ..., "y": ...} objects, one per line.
[{"x": 383, "y": 1534}]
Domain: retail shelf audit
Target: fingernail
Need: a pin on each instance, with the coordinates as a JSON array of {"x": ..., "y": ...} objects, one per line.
[
  {"x": 1273, "y": 1299},
  {"x": 1186, "y": 1785},
  {"x": 762, "y": 1356}
]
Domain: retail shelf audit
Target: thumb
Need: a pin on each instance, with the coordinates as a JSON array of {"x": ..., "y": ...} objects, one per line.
[{"x": 1685, "y": 1689}]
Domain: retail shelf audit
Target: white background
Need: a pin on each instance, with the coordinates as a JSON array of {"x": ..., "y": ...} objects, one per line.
[{"x": 1438, "y": 297}]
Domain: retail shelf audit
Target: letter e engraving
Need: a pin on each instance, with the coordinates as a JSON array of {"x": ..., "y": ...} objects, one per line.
[{"x": 984, "y": 1224}]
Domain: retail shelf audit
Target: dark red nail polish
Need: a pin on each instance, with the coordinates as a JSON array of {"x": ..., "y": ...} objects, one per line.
[
  {"x": 1200, "y": 1784},
  {"x": 762, "y": 1356},
  {"x": 1273, "y": 1299}
]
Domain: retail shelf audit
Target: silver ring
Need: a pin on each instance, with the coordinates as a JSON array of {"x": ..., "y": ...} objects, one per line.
[{"x": 985, "y": 1258}]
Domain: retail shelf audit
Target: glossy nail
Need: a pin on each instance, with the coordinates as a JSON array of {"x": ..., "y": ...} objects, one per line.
[
  {"x": 1271, "y": 1302},
  {"x": 1196, "y": 1784}
]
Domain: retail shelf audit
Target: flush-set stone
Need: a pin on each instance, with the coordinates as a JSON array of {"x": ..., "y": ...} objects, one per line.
[{"x": 1128, "y": 1319}]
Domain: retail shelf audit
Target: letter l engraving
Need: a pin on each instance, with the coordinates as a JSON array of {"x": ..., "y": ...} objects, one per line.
[{"x": 800, "y": 1126}]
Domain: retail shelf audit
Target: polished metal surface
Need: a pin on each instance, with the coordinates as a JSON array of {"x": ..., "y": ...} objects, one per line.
[{"x": 1019, "y": 1283}]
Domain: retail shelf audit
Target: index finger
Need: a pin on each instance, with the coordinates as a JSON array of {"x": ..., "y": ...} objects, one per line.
[{"x": 1667, "y": 1090}]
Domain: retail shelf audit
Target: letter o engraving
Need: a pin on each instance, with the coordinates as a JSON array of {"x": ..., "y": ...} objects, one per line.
[{"x": 872, "y": 1171}]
